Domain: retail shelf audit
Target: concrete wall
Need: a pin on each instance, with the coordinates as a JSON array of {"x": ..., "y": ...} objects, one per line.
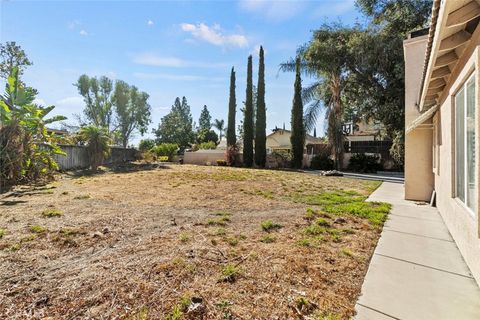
[
  {"x": 463, "y": 226},
  {"x": 418, "y": 143},
  {"x": 204, "y": 157}
]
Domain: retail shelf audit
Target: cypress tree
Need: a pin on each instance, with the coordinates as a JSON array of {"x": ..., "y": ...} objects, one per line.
[
  {"x": 248, "y": 119},
  {"x": 232, "y": 106},
  {"x": 297, "y": 139},
  {"x": 261, "y": 118}
]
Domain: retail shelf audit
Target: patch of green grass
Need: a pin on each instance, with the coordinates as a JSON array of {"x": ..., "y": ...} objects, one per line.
[
  {"x": 269, "y": 225},
  {"x": 230, "y": 272},
  {"x": 220, "y": 221},
  {"x": 175, "y": 314},
  {"x": 184, "y": 237},
  {"x": 28, "y": 238},
  {"x": 2, "y": 232},
  {"x": 233, "y": 241},
  {"x": 302, "y": 302},
  {"x": 268, "y": 239},
  {"x": 37, "y": 229},
  {"x": 347, "y": 252},
  {"x": 304, "y": 242},
  {"x": 49, "y": 213},
  {"x": 68, "y": 232},
  {"x": 314, "y": 230},
  {"x": 265, "y": 194},
  {"x": 82, "y": 197},
  {"x": 322, "y": 222},
  {"x": 14, "y": 247},
  {"x": 218, "y": 231},
  {"x": 326, "y": 316},
  {"x": 312, "y": 242}
]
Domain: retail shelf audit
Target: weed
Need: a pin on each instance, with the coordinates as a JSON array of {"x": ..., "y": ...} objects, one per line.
[
  {"x": 218, "y": 231},
  {"x": 269, "y": 225},
  {"x": 230, "y": 272},
  {"x": 326, "y": 316},
  {"x": 142, "y": 314},
  {"x": 49, "y": 213},
  {"x": 14, "y": 247},
  {"x": 184, "y": 237},
  {"x": 68, "y": 232},
  {"x": 221, "y": 221},
  {"x": 348, "y": 231},
  {"x": 81, "y": 197},
  {"x": 268, "y": 239},
  {"x": 28, "y": 238},
  {"x": 175, "y": 314},
  {"x": 322, "y": 222},
  {"x": 304, "y": 242},
  {"x": 2, "y": 233},
  {"x": 233, "y": 241},
  {"x": 347, "y": 252},
  {"x": 64, "y": 193},
  {"x": 314, "y": 229},
  {"x": 37, "y": 229},
  {"x": 302, "y": 302}
]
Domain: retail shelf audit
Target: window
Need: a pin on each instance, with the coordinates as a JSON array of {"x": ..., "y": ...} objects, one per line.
[{"x": 465, "y": 182}]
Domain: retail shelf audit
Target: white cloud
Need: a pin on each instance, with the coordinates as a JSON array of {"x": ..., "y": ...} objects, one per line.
[
  {"x": 74, "y": 104},
  {"x": 151, "y": 59},
  {"x": 214, "y": 35},
  {"x": 273, "y": 10},
  {"x": 83, "y": 33},
  {"x": 150, "y": 23},
  {"x": 73, "y": 24},
  {"x": 174, "y": 77}
]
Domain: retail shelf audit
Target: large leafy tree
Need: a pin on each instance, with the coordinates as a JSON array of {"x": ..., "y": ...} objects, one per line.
[
  {"x": 297, "y": 138},
  {"x": 97, "y": 95},
  {"x": 12, "y": 56},
  {"x": 248, "y": 118},
  {"x": 132, "y": 111},
  {"x": 261, "y": 118},
  {"x": 177, "y": 126},
  {"x": 232, "y": 109}
]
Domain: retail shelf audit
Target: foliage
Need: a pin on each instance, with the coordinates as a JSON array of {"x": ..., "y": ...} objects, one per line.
[
  {"x": 37, "y": 229},
  {"x": 26, "y": 148},
  {"x": 131, "y": 109},
  {"x": 230, "y": 272},
  {"x": 232, "y": 155},
  {"x": 146, "y": 144},
  {"x": 261, "y": 119},
  {"x": 248, "y": 119},
  {"x": 232, "y": 106},
  {"x": 269, "y": 225},
  {"x": 207, "y": 135},
  {"x": 98, "y": 144},
  {"x": 268, "y": 239},
  {"x": 49, "y": 213},
  {"x": 397, "y": 150},
  {"x": 364, "y": 163},
  {"x": 13, "y": 57},
  {"x": 322, "y": 162},
  {"x": 221, "y": 163},
  {"x": 177, "y": 126},
  {"x": 210, "y": 145},
  {"x": 205, "y": 120},
  {"x": 165, "y": 149},
  {"x": 297, "y": 139},
  {"x": 220, "y": 126},
  {"x": 97, "y": 95}
]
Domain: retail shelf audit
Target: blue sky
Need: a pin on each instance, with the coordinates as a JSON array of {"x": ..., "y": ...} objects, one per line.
[{"x": 166, "y": 48}]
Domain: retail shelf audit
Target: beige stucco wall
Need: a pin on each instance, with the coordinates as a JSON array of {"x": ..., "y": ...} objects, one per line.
[
  {"x": 418, "y": 143},
  {"x": 463, "y": 226}
]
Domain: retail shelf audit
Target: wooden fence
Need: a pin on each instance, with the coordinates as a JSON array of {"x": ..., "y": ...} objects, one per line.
[{"x": 77, "y": 156}]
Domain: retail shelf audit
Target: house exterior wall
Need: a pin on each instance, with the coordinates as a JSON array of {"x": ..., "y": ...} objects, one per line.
[
  {"x": 418, "y": 143},
  {"x": 463, "y": 226}
]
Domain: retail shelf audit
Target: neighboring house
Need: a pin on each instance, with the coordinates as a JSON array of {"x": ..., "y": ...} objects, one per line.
[
  {"x": 279, "y": 141},
  {"x": 363, "y": 131},
  {"x": 442, "y": 145}
]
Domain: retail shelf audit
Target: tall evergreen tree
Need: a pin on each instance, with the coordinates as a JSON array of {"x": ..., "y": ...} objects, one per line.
[
  {"x": 248, "y": 119},
  {"x": 205, "y": 120},
  {"x": 232, "y": 106},
  {"x": 177, "y": 125},
  {"x": 297, "y": 139},
  {"x": 261, "y": 118}
]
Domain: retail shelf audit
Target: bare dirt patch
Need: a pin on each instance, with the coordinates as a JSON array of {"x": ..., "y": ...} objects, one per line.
[{"x": 186, "y": 242}]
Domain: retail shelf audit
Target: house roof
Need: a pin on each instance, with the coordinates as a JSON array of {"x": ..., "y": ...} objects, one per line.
[
  {"x": 452, "y": 26},
  {"x": 307, "y": 136}
]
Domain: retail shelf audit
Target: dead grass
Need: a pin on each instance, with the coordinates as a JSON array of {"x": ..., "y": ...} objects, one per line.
[{"x": 187, "y": 242}]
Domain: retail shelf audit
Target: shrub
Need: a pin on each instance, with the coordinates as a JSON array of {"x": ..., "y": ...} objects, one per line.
[
  {"x": 165, "y": 150},
  {"x": 232, "y": 155},
  {"x": 221, "y": 163},
  {"x": 322, "y": 162},
  {"x": 269, "y": 225},
  {"x": 146, "y": 144},
  {"x": 98, "y": 141},
  {"x": 209, "y": 145},
  {"x": 364, "y": 163}
]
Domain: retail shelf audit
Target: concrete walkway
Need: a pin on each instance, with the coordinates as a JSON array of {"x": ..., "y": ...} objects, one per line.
[{"x": 416, "y": 271}]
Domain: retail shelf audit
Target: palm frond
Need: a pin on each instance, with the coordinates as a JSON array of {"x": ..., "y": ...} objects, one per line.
[{"x": 311, "y": 114}]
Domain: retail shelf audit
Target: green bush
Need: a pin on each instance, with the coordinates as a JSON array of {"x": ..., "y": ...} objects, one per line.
[
  {"x": 165, "y": 150},
  {"x": 210, "y": 145},
  {"x": 146, "y": 144},
  {"x": 322, "y": 162},
  {"x": 364, "y": 163}
]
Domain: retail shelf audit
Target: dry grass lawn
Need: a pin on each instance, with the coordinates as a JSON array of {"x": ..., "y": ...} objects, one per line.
[{"x": 187, "y": 242}]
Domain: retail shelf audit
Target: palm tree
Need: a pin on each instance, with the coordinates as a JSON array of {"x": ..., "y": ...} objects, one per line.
[
  {"x": 98, "y": 142},
  {"x": 326, "y": 57},
  {"x": 220, "y": 126}
]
